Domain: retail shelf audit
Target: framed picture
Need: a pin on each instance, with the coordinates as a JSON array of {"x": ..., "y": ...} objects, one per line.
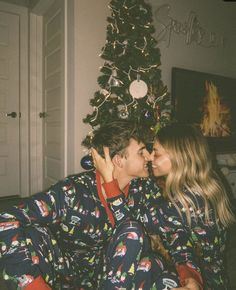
[{"x": 208, "y": 101}]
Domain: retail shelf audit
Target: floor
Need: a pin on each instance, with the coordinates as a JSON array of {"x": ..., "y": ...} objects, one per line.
[{"x": 230, "y": 252}]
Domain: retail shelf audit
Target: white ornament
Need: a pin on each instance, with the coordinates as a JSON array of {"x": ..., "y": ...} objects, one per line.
[{"x": 138, "y": 89}]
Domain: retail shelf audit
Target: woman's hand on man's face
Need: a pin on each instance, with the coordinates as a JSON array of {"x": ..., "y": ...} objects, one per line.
[{"x": 103, "y": 165}]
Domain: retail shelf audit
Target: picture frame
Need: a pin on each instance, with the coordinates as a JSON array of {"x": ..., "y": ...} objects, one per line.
[{"x": 209, "y": 102}]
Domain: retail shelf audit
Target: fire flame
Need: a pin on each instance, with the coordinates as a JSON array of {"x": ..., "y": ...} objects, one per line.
[{"x": 216, "y": 115}]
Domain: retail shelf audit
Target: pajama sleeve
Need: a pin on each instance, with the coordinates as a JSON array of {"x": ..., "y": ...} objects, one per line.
[{"x": 116, "y": 201}]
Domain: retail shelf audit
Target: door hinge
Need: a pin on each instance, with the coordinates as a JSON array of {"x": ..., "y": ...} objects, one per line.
[{"x": 42, "y": 115}]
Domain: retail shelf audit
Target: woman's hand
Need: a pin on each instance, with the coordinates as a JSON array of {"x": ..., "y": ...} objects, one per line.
[
  {"x": 190, "y": 284},
  {"x": 103, "y": 165}
]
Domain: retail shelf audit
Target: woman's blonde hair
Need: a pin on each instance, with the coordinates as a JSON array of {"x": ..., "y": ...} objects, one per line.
[{"x": 192, "y": 170}]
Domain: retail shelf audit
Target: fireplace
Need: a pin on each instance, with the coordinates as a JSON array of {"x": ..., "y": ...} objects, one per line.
[{"x": 208, "y": 101}]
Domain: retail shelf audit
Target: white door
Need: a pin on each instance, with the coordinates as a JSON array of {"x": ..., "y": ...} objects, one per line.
[
  {"x": 9, "y": 105},
  {"x": 54, "y": 94}
]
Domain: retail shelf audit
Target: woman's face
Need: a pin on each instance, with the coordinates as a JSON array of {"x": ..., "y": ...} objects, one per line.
[{"x": 161, "y": 164}]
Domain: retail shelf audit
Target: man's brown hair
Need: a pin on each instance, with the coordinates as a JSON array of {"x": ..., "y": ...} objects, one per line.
[{"x": 116, "y": 135}]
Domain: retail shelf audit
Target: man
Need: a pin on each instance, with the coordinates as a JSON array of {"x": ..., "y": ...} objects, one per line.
[
  {"x": 58, "y": 238},
  {"x": 63, "y": 238}
]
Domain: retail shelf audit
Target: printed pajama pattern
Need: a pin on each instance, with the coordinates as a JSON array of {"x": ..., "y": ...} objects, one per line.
[{"x": 63, "y": 234}]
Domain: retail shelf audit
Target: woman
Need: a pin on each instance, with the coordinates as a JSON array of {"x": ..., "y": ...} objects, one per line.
[{"x": 181, "y": 154}]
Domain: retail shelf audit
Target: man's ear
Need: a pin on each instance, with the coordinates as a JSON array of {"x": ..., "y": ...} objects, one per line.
[{"x": 117, "y": 160}]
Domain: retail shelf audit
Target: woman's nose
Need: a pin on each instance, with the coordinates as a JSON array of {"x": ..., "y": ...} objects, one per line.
[{"x": 148, "y": 156}]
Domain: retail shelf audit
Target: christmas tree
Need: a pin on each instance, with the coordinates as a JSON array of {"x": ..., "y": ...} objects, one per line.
[{"x": 130, "y": 80}]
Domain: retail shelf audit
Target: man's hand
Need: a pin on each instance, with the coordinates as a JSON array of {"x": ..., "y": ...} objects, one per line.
[
  {"x": 103, "y": 165},
  {"x": 190, "y": 284}
]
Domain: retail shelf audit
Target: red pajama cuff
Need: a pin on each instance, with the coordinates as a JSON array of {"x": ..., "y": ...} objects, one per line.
[
  {"x": 186, "y": 272},
  {"x": 38, "y": 284},
  {"x": 112, "y": 188}
]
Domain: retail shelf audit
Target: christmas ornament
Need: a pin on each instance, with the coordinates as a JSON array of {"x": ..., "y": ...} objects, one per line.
[
  {"x": 147, "y": 115},
  {"x": 151, "y": 99},
  {"x": 138, "y": 89},
  {"x": 122, "y": 112},
  {"x": 87, "y": 162},
  {"x": 113, "y": 80}
]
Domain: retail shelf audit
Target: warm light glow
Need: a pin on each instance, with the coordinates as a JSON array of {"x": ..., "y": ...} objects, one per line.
[{"x": 216, "y": 116}]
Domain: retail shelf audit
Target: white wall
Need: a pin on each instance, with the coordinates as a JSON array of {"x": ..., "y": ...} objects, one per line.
[
  {"x": 214, "y": 16},
  {"x": 90, "y": 36},
  {"x": 24, "y": 3}
]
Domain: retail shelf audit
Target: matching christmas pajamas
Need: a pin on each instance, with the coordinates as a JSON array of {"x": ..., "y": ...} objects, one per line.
[{"x": 66, "y": 235}]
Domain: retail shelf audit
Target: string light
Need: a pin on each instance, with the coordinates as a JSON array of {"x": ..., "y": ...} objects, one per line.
[
  {"x": 142, "y": 9},
  {"x": 140, "y": 69},
  {"x": 96, "y": 109},
  {"x": 145, "y": 45},
  {"x": 160, "y": 98}
]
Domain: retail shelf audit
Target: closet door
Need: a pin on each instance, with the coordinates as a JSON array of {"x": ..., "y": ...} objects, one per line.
[{"x": 53, "y": 115}]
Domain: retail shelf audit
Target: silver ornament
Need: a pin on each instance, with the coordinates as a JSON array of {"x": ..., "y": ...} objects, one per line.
[{"x": 122, "y": 112}]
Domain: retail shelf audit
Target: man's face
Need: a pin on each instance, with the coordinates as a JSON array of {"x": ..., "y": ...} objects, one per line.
[
  {"x": 135, "y": 160},
  {"x": 161, "y": 164}
]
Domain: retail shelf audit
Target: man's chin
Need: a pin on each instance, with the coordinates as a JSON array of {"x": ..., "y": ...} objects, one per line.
[{"x": 145, "y": 174}]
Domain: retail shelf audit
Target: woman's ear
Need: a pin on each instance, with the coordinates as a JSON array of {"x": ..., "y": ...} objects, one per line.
[{"x": 117, "y": 160}]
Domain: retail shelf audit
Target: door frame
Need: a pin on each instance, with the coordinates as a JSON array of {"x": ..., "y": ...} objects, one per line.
[
  {"x": 36, "y": 92},
  {"x": 35, "y": 105},
  {"x": 24, "y": 95}
]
